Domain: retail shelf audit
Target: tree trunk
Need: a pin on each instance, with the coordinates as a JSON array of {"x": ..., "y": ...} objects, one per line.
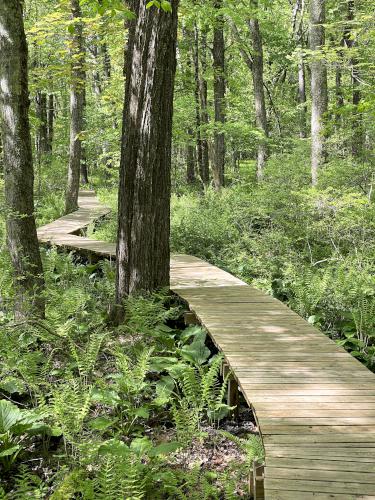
[
  {"x": 143, "y": 252},
  {"x": 50, "y": 122},
  {"x": 203, "y": 171},
  {"x": 298, "y": 14},
  {"x": 319, "y": 88},
  {"x": 18, "y": 165},
  {"x": 218, "y": 167},
  {"x": 42, "y": 131},
  {"x": 77, "y": 94},
  {"x": 190, "y": 159},
  {"x": 302, "y": 98},
  {"x": 260, "y": 102},
  {"x": 358, "y": 138},
  {"x": 203, "y": 91}
]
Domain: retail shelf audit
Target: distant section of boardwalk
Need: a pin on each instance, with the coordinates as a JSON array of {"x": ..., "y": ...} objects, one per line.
[{"x": 314, "y": 403}]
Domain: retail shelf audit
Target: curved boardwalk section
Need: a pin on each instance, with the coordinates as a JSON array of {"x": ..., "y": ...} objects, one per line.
[{"x": 314, "y": 403}]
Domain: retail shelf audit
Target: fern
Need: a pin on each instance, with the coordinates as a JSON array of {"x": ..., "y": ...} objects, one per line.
[
  {"x": 252, "y": 446},
  {"x": 28, "y": 485},
  {"x": 119, "y": 479},
  {"x": 70, "y": 405}
]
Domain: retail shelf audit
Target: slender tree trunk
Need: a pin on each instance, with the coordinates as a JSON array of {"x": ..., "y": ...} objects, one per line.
[
  {"x": 50, "y": 121},
  {"x": 319, "y": 88},
  {"x": 302, "y": 99},
  {"x": 190, "y": 159},
  {"x": 42, "y": 131},
  {"x": 298, "y": 13},
  {"x": 203, "y": 172},
  {"x": 260, "y": 102},
  {"x": 77, "y": 95},
  {"x": 358, "y": 137},
  {"x": 203, "y": 91},
  {"x": 18, "y": 163},
  {"x": 218, "y": 167},
  {"x": 143, "y": 252}
]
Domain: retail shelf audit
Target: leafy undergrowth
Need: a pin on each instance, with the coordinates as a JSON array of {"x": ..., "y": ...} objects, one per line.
[{"x": 93, "y": 412}]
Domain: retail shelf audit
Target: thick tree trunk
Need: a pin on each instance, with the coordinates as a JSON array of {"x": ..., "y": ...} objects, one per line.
[
  {"x": 319, "y": 88},
  {"x": 143, "y": 252},
  {"x": 50, "y": 121},
  {"x": 18, "y": 164},
  {"x": 218, "y": 167},
  {"x": 77, "y": 96},
  {"x": 260, "y": 102}
]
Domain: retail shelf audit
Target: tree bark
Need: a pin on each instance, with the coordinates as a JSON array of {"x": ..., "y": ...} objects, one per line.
[
  {"x": 77, "y": 96},
  {"x": 260, "y": 102},
  {"x": 143, "y": 252},
  {"x": 358, "y": 137},
  {"x": 319, "y": 88},
  {"x": 218, "y": 167},
  {"x": 298, "y": 13},
  {"x": 50, "y": 121},
  {"x": 18, "y": 164},
  {"x": 202, "y": 147},
  {"x": 42, "y": 131},
  {"x": 190, "y": 159},
  {"x": 203, "y": 92}
]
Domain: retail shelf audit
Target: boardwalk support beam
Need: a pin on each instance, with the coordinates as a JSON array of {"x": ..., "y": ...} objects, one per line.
[{"x": 256, "y": 481}]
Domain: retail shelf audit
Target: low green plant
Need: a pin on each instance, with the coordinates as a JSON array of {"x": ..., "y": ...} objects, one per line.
[{"x": 16, "y": 426}]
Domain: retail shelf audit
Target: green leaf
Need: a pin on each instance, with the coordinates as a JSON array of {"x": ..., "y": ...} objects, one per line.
[
  {"x": 10, "y": 415},
  {"x": 142, "y": 412},
  {"x": 166, "y": 6},
  {"x": 114, "y": 447},
  {"x": 102, "y": 423},
  {"x": 141, "y": 445},
  {"x": 10, "y": 451},
  {"x": 164, "y": 449}
]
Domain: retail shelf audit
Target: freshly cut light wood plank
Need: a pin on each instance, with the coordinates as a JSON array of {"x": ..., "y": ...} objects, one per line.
[
  {"x": 342, "y": 487},
  {"x": 323, "y": 464}
]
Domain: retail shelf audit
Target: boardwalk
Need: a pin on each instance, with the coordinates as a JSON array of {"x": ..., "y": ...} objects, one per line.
[{"x": 314, "y": 403}]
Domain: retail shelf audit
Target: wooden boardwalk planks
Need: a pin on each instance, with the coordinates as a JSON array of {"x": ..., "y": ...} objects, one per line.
[{"x": 314, "y": 403}]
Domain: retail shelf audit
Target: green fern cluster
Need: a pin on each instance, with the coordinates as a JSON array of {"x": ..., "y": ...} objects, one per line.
[{"x": 200, "y": 396}]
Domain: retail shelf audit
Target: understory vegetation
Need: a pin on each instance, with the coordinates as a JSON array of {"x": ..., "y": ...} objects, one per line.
[{"x": 91, "y": 412}]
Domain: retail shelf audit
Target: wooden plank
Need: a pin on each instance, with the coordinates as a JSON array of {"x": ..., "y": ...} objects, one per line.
[
  {"x": 280, "y": 434},
  {"x": 320, "y": 464},
  {"x": 345, "y": 421},
  {"x": 342, "y": 487},
  {"x": 308, "y": 495},
  {"x": 320, "y": 475}
]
